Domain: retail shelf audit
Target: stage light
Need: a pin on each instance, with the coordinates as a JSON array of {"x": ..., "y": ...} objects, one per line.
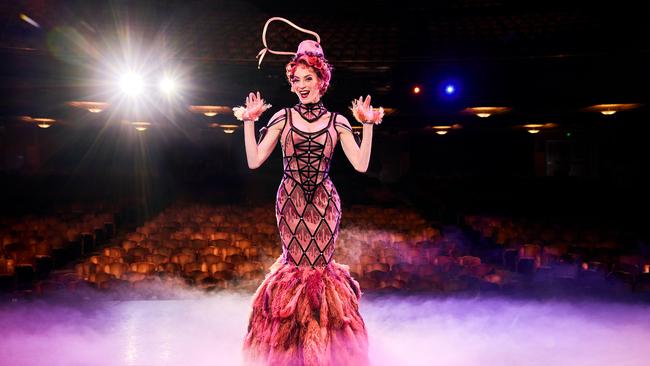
[
  {"x": 92, "y": 107},
  {"x": 450, "y": 89},
  {"x": 533, "y": 128},
  {"x": 610, "y": 109},
  {"x": 537, "y": 127},
  {"x": 141, "y": 126},
  {"x": 229, "y": 128},
  {"x": 131, "y": 84},
  {"x": 44, "y": 122},
  {"x": 210, "y": 110},
  {"x": 444, "y": 129},
  {"x": 40, "y": 122},
  {"x": 225, "y": 127},
  {"x": 168, "y": 85},
  {"x": 485, "y": 112}
]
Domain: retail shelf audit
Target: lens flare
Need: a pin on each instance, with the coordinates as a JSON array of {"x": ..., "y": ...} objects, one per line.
[
  {"x": 168, "y": 86},
  {"x": 131, "y": 84}
]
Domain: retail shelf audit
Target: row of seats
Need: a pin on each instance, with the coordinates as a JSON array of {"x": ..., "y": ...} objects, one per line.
[
  {"x": 32, "y": 246},
  {"x": 587, "y": 254},
  {"x": 232, "y": 247}
]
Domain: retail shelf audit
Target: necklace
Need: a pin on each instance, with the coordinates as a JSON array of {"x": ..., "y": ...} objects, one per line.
[{"x": 310, "y": 112}]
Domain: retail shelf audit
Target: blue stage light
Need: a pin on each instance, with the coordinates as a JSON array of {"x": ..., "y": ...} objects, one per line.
[{"x": 450, "y": 89}]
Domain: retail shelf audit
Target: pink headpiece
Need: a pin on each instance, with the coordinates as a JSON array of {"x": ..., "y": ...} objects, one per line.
[{"x": 310, "y": 47}]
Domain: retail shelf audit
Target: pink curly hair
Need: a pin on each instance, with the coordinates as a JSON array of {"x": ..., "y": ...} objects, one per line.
[{"x": 318, "y": 63}]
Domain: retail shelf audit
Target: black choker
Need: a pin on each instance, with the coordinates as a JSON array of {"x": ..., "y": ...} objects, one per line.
[{"x": 311, "y": 112}]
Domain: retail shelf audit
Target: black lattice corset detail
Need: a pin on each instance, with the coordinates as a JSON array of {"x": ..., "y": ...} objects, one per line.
[
  {"x": 307, "y": 158},
  {"x": 308, "y": 209},
  {"x": 308, "y": 228}
]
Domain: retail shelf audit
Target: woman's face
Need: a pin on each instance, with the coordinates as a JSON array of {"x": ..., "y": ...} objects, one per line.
[{"x": 306, "y": 84}]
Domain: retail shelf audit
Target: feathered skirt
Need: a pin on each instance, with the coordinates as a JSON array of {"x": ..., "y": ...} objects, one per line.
[{"x": 307, "y": 316}]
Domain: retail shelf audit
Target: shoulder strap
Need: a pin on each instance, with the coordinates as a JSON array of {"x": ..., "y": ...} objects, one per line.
[
  {"x": 272, "y": 122},
  {"x": 332, "y": 119},
  {"x": 339, "y": 124},
  {"x": 288, "y": 113},
  {"x": 278, "y": 119}
]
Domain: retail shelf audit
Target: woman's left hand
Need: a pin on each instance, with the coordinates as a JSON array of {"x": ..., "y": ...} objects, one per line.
[{"x": 364, "y": 112}]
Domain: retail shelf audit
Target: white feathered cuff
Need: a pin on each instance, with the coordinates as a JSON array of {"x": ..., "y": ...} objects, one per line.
[
  {"x": 239, "y": 112},
  {"x": 242, "y": 114},
  {"x": 375, "y": 118}
]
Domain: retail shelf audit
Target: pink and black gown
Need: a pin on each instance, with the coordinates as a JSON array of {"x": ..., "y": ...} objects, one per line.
[{"x": 306, "y": 312}]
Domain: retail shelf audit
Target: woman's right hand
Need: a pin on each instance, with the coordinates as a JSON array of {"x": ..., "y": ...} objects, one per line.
[
  {"x": 255, "y": 106},
  {"x": 363, "y": 112}
]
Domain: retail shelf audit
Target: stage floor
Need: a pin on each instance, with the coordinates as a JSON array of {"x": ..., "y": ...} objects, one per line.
[{"x": 403, "y": 330}]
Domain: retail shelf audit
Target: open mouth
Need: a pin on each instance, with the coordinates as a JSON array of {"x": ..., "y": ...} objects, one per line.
[{"x": 304, "y": 94}]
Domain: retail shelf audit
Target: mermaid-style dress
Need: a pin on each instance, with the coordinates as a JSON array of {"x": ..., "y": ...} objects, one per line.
[{"x": 306, "y": 312}]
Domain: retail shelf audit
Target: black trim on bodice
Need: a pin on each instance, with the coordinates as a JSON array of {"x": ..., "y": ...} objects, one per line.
[
  {"x": 312, "y": 166},
  {"x": 310, "y": 112},
  {"x": 281, "y": 117},
  {"x": 308, "y": 206}
]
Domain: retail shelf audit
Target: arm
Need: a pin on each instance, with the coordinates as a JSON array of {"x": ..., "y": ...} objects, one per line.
[
  {"x": 256, "y": 154},
  {"x": 359, "y": 156},
  {"x": 363, "y": 112}
]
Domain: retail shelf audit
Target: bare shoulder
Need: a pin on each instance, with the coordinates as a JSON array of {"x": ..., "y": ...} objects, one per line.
[
  {"x": 277, "y": 120},
  {"x": 342, "y": 124},
  {"x": 341, "y": 119}
]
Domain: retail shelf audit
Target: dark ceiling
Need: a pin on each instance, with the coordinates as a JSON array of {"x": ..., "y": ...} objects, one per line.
[{"x": 543, "y": 58}]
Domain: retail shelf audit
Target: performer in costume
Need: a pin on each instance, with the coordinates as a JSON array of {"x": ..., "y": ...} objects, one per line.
[{"x": 306, "y": 312}]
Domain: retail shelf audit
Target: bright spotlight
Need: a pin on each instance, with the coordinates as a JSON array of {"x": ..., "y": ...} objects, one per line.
[
  {"x": 168, "y": 86},
  {"x": 450, "y": 89},
  {"x": 131, "y": 84}
]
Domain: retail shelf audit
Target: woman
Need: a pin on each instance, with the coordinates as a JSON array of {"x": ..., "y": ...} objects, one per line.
[{"x": 306, "y": 312}]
